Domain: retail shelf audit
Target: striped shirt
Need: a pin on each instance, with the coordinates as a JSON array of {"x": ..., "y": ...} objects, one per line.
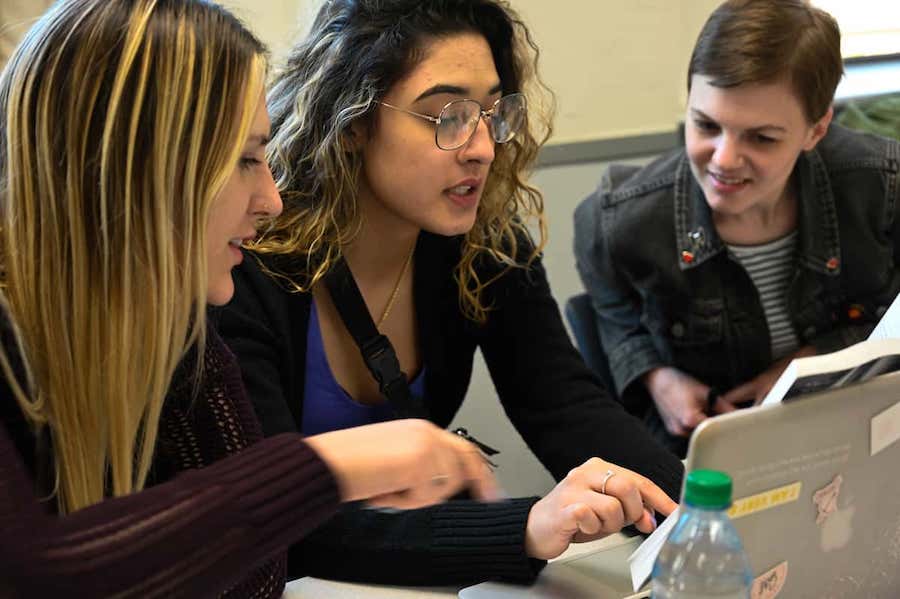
[{"x": 770, "y": 267}]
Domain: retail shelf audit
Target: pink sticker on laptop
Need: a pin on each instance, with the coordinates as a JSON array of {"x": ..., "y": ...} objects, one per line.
[
  {"x": 826, "y": 498},
  {"x": 770, "y": 584}
]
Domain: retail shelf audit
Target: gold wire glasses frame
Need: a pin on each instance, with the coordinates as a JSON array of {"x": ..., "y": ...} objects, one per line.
[{"x": 458, "y": 120}]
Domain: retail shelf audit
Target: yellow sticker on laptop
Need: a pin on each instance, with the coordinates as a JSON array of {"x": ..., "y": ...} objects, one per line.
[{"x": 765, "y": 500}]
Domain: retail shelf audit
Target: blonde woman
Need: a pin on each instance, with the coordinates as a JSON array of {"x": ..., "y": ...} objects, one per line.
[
  {"x": 403, "y": 135},
  {"x": 132, "y": 165}
]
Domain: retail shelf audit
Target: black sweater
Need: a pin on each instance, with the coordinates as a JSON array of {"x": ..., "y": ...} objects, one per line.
[{"x": 553, "y": 400}]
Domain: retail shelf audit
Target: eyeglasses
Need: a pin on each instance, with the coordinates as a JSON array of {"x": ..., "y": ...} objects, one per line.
[{"x": 458, "y": 120}]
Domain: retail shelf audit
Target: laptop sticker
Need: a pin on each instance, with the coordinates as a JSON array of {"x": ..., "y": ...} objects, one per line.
[
  {"x": 826, "y": 498},
  {"x": 770, "y": 584},
  {"x": 885, "y": 429},
  {"x": 765, "y": 500},
  {"x": 835, "y": 522}
]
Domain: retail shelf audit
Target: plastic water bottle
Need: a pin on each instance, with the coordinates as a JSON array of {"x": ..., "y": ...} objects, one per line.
[{"x": 703, "y": 558}]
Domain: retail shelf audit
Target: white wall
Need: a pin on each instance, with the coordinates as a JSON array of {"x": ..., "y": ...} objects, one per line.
[
  {"x": 16, "y": 17},
  {"x": 617, "y": 66},
  {"x": 278, "y": 23}
]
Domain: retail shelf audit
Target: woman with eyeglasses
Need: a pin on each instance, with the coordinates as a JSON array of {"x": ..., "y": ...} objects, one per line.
[
  {"x": 132, "y": 163},
  {"x": 403, "y": 134}
]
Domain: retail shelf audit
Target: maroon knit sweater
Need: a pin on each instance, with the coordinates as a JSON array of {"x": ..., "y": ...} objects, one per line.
[{"x": 222, "y": 508}]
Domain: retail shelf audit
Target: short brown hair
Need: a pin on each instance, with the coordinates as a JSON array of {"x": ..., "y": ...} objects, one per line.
[{"x": 759, "y": 41}]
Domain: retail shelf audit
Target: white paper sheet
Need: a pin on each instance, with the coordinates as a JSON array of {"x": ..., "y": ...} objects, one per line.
[
  {"x": 889, "y": 325},
  {"x": 641, "y": 561},
  {"x": 885, "y": 429}
]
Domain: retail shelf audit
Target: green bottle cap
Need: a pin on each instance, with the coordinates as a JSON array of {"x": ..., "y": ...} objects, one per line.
[{"x": 708, "y": 489}]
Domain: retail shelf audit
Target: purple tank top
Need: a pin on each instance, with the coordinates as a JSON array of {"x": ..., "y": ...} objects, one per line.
[{"x": 326, "y": 406}]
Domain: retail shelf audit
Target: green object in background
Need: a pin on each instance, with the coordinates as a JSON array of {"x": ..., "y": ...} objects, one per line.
[{"x": 880, "y": 116}]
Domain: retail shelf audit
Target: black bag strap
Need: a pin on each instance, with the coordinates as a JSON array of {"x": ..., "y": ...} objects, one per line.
[{"x": 376, "y": 349}]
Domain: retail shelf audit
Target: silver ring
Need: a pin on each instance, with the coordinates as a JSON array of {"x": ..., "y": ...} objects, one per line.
[
  {"x": 609, "y": 474},
  {"x": 439, "y": 480}
]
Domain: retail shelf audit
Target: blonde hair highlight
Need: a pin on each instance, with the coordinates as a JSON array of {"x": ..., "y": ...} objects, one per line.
[{"x": 122, "y": 121}]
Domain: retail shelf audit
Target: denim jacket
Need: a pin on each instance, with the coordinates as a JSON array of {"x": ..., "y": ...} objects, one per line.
[{"x": 666, "y": 292}]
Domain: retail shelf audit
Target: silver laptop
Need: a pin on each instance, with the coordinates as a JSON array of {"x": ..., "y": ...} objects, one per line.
[{"x": 817, "y": 500}]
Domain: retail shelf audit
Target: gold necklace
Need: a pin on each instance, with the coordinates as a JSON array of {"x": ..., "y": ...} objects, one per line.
[{"x": 396, "y": 291}]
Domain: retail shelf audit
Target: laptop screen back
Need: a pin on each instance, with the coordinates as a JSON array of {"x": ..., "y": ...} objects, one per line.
[{"x": 816, "y": 489}]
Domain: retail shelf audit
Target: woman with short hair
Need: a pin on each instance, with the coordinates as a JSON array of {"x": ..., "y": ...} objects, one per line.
[{"x": 771, "y": 235}]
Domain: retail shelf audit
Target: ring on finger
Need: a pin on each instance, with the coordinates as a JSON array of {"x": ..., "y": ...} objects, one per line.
[
  {"x": 609, "y": 474},
  {"x": 439, "y": 480}
]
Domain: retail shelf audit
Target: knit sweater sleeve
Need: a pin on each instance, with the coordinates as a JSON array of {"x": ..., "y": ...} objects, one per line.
[
  {"x": 193, "y": 536},
  {"x": 458, "y": 542}
]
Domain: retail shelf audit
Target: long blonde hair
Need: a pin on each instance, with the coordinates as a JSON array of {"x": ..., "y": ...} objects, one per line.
[
  {"x": 121, "y": 121},
  {"x": 355, "y": 52}
]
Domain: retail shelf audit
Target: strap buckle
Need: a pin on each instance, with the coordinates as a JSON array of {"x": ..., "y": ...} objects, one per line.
[{"x": 382, "y": 361}]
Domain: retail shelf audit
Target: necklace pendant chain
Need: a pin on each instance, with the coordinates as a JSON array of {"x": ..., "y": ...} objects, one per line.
[{"x": 396, "y": 291}]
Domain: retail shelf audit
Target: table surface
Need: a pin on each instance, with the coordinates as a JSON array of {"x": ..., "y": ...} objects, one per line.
[{"x": 309, "y": 587}]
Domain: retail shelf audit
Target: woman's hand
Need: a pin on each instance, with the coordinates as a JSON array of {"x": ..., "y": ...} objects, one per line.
[
  {"x": 756, "y": 389},
  {"x": 577, "y": 509},
  {"x": 403, "y": 464},
  {"x": 680, "y": 399}
]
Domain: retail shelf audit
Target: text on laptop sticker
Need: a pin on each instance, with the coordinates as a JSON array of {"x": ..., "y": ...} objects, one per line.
[{"x": 765, "y": 500}]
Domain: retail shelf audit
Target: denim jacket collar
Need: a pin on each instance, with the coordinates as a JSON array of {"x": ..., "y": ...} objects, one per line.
[{"x": 819, "y": 247}]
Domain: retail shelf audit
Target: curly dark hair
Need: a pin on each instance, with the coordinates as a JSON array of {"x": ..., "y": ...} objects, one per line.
[{"x": 355, "y": 52}]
